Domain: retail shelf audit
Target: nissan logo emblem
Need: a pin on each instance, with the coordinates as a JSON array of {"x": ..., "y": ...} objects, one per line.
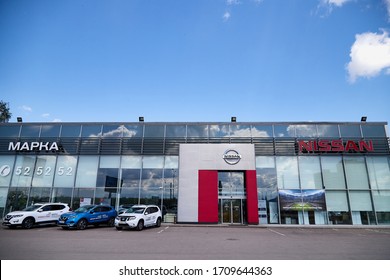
[{"x": 231, "y": 157}]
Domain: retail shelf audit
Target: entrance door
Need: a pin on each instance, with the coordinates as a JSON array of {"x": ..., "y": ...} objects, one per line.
[
  {"x": 231, "y": 211},
  {"x": 232, "y": 197}
]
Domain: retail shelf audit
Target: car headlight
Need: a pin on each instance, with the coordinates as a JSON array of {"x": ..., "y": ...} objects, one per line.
[
  {"x": 17, "y": 216},
  {"x": 131, "y": 218}
]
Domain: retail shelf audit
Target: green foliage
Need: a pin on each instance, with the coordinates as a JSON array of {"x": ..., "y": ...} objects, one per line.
[{"x": 5, "y": 114}]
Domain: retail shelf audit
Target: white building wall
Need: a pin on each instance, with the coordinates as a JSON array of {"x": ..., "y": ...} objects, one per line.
[{"x": 195, "y": 157}]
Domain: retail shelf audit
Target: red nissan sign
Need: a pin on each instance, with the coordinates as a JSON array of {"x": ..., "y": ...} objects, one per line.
[{"x": 335, "y": 146}]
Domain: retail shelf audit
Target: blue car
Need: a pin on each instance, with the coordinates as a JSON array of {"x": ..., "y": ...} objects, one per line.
[{"x": 88, "y": 215}]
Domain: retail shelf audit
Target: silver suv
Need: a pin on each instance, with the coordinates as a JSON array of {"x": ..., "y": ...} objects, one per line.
[
  {"x": 39, "y": 213},
  {"x": 139, "y": 216}
]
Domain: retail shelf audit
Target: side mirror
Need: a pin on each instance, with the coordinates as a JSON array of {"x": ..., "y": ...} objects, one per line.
[
  {"x": 146, "y": 213},
  {"x": 91, "y": 211}
]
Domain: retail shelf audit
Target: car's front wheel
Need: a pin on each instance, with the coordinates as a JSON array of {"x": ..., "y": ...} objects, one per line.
[
  {"x": 28, "y": 223},
  {"x": 140, "y": 225},
  {"x": 82, "y": 224}
]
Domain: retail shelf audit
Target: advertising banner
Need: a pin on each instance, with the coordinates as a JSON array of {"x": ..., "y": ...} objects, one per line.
[{"x": 297, "y": 200}]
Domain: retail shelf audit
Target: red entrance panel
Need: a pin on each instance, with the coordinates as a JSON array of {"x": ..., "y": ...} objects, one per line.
[
  {"x": 208, "y": 196},
  {"x": 251, "y": 194}
]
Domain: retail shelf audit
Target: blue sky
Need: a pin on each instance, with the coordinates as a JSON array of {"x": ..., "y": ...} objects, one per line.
[{"x": 203, "y": 60}]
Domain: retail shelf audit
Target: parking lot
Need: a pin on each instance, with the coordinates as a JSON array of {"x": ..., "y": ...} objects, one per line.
[{"x": 170, "y": 242}]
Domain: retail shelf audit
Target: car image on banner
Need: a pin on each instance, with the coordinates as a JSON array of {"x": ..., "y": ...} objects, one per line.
[{"x": 88, "y": 215}]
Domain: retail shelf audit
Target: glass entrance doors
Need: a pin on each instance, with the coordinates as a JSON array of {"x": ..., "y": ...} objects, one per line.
[
  {"x": 231, "y": 211},
  {"x": 231, "y": 197}
]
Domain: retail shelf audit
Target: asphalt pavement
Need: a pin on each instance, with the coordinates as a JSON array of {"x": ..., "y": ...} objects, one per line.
[{"x": 197, "y": 242}]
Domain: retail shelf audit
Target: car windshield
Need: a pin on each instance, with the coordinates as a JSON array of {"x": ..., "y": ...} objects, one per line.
[
  {"x": 136, "y": 210},
  {"x": 84, "y": 209},
  {"x": 32, "y": 207}
]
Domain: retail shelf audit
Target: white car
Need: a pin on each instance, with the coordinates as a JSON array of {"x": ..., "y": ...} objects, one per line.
[
  {"x": 139, "y": 216},
  {"x": 39, "y": 213}
]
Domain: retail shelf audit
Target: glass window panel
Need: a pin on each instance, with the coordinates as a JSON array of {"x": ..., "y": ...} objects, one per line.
[
  {"x": 172, "y": 162},
  {"x": 176, "y": 131},
  {"x": 379, "y": 172},
  {"x": 17, "y": 199},
  {"x": 231, "y": 184},
  {"x": 269, "y": 205},
  {"x": 240, "y": 130},
  {"x": 350, "y": 131},
  {"x": 170, "y": 190},
  {"x": 287, "y": 172},
  {"x": 87, "y": 171},
  {"x": 360, "y": 201},
  {"x": 70, "y": 130},
  {"x": 65, "y": 171},
  {"x": 154, "y": 131},
  {"x": 133, "y": 162},
  {"x": 6, "y": 167},
  {"x": 109, "y": 161},
  {"x": 10, "y": 130},
  {"x": 107, "y": 178},
  {"x": 105, "y": 196},
  {"x": 197, "y": 131},
  {"x": 151, "y": 186},
  {"x": 131, "y": 178},
  {"x": 50, "y": 130},
  {"x": 219, "y": 130},
  {"x": 336, "y": 201},
  {"x": 266, "y": 172},
  {"x": 306, "y": 130},
  {"x": 356, "y": 173},
  {"x": 83, "y": 196},
  {"x": 262, "y": 131},
  {"x": 373, "y": 130},
  {"x": 112, "y": 130},
  {"x": 23, "y": 171},
  {"x": 30, "y": 130},
  {"x": 3, "y": 200},
  {"x": 153, "y": 162},
  {"x": 310, "y": 172},
  {"x": 44, "y": 171},
  {"x": 39, "y": 195},
  {"x": 328, "y": 130},
  {"x": 91, "y": 131},
  {"x": 63, "y": 195},
  {"x": 381, "y": 200},
  {"x": 284, "y": 130},
  {"x": 133, "y": 131},
  {"x": 333, "y": 172}
]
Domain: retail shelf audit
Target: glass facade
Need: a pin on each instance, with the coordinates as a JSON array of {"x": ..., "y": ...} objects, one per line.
[{"x": 138, "y": 163}]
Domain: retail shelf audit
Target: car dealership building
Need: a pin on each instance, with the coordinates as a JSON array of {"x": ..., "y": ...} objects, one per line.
[{"x": 227, "y": 172}]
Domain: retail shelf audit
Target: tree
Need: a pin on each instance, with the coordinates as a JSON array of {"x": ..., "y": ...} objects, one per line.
[{"x": 5, "y": 114}]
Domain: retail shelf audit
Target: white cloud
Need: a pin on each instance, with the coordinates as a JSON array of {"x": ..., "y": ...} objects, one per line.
[
  {"x": 325, "y": 7},
  {"x": 226, "y": 16},
  {"x": 370, "y": 55},
  {"x": 233, "y": 2},
  {"x": 46, "y": 115},
  {"x": 26, "y": 108},
  {"x": 337, "y": 3}
]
